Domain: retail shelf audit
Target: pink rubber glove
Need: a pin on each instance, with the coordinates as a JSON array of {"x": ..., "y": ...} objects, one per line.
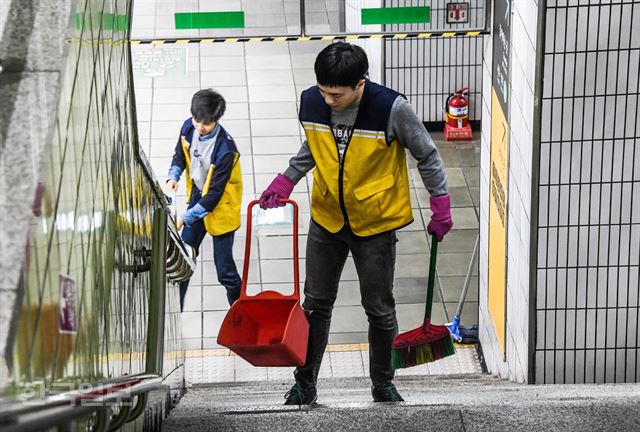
[
  {"x": 441, "y": 221},
  {"x": 280, "y": 188}
]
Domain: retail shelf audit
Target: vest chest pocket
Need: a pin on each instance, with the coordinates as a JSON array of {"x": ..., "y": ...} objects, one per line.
[
  {"x": 369, "y": 189},
  {"x": 376, "y": 197}
]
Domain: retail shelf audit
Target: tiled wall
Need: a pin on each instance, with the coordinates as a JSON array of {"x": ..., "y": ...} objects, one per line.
[
  {"x": 523, "y": 55},
  {"x": 443, "y": 65},
  {"x": 261, "y": 18},
  {"x": 520, "y": 119},
  {"x": 373, "y": 47},
  {"x": 589, "y": 195},
  {"x": 94, "y": 211},
  {"x": 586, "y": 208},
  {"x": 488, "y": 337}
]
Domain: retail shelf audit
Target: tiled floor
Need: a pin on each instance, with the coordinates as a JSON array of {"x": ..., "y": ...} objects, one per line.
[
  {"x": 340, "y": 361},
  {"x": 261, "y": 83}
]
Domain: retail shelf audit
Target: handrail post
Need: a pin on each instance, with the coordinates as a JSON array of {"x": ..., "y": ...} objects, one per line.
[
  {"x": 487, "y": 14},
  {"x": 303, "y": 27},
  {"x": 157, "y": 291}
]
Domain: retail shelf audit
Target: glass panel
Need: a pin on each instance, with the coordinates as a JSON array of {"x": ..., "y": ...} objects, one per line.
[{"x": 84, "y": 304}]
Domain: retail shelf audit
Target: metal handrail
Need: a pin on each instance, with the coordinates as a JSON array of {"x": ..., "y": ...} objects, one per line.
[
  {"x": 64, "y": 408},
  {"x": 183, "y": 257}
]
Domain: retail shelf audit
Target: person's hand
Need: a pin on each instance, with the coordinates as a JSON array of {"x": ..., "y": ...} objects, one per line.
[
  {"x": 179, "y": 223},
  {"x": 280, "y": 188},
  {"x": 172, "y": 185},
  {"x": 441, "y": 221}
]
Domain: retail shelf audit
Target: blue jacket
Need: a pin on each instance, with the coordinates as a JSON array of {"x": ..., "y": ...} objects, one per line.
[{"x": 224, "y": 161}]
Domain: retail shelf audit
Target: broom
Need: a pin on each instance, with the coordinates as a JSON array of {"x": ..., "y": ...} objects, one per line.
[{"x": 428, "y": 342}]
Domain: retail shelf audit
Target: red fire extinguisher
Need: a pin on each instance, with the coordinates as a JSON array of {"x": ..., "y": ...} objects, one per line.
[{"x": 457, "y": 109}]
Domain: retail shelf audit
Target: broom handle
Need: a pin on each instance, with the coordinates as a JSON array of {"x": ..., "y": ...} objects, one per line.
[
  {"x": 432, "y": 276},
  {"x": 467, "y": 279}
]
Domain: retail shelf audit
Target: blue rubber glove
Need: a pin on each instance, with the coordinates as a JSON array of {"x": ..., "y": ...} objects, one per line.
[{"x": 194, "y": 213}]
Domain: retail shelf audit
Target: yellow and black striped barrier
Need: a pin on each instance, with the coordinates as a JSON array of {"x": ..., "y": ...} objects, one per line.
[{"x": 415, "y": 35}]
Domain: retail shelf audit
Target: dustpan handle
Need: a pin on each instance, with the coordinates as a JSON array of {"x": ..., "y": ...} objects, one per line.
[
  {"x": 432, "y": 276},
  {"x": 247, "y": 250}
]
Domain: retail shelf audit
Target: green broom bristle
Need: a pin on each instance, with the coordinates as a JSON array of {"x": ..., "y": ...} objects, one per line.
[
  {"x": 421, "y": 354},
  {"x": 397, "y": 359}
]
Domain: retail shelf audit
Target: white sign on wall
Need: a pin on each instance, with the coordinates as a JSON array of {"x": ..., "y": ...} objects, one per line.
[
  {"x": 457, "y": 13},
  {"x": 158, "y": 62}
]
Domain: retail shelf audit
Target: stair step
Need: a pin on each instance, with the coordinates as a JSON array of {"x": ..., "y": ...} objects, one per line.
[{"x": 450, "y": 402}]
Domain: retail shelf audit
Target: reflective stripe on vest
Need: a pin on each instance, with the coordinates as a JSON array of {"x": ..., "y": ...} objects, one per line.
[{"x": 375, "y": 182}]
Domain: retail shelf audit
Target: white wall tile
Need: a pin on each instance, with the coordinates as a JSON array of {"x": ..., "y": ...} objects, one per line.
[
  {"x": 274, "y": 93},
  {"x": 191, "y": 324},
  {"x": 229, "y": 63},
  {"x": 261, "y": 77},
  {"x": 271, "y": 110},
  {"x": 223, "y": 79},
  {"x": 275, "y": 127},
  {"x": 233, "y": 93},
  {"x": 270, "y": 62},
  {"x": 283, "y": 145},
  {"x": 220, "y": 51}
]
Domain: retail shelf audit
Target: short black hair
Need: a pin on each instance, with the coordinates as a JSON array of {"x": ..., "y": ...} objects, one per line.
[
  {"x": 207, "y": 106},
  {"x": 341, "y": 65}
]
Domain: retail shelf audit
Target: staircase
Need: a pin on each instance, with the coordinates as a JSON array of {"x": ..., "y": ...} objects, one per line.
[{"x": 469, "y": 402}]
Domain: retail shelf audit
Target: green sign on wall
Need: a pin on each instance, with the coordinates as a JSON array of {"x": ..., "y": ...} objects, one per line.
[
  {"x": 209, "y": 20},
  {"x": 396, "y": 15}
]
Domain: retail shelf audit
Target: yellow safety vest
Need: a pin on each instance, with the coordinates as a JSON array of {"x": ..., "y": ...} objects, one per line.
[
  {"x": 373, "y": 181},
  {"x": 225, "y": 217}
]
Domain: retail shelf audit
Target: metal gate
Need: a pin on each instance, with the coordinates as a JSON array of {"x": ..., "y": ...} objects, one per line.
[
  {"x": 588, "y": 194},
  {"x": 428, "y": 70}
]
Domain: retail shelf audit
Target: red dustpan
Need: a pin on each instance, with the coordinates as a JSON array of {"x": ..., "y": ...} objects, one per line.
[{"x": 268, "y": 329}]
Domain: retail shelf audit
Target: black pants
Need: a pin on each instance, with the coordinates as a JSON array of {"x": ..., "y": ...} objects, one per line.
[{"x": 374, "y": 258}]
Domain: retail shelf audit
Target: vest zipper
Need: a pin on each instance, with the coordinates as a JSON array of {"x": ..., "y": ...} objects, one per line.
[
  {"x": 341, "y": 172},
  {"x": 340, "y": 188}
]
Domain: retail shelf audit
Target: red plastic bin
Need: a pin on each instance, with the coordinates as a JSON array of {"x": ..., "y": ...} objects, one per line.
[{"x": 268, "y": 329}]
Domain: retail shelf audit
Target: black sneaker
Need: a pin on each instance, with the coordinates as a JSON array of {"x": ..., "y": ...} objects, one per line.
[
  {"x": 301, "y": 396},
  {"x": 385, "y": 393}
]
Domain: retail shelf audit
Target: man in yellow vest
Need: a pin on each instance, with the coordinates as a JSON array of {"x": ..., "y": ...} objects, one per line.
[
  {"x": 209, "y": 157},
  {"x": 356, "y": 135}
]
